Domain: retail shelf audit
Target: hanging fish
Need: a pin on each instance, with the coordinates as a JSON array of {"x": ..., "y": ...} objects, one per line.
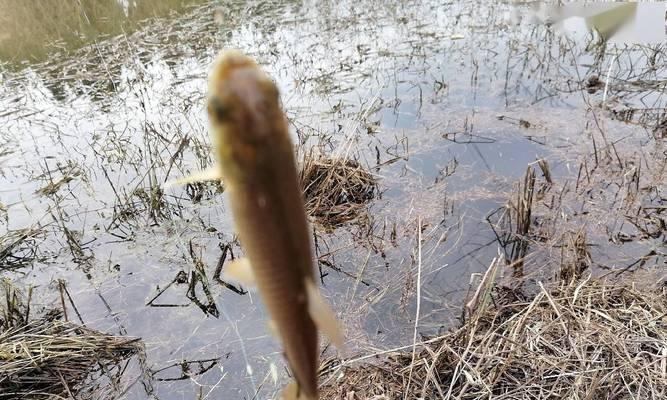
[{"x": 257, "y": 163}]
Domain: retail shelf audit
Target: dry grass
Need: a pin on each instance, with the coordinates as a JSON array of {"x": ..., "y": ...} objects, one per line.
[
  {"x": 336, "y": 190},
  {"x": 575, "y": 337},
  {"x": 512, "y": 223},
  {"x": 581, "y": 340},
  {"x": 47, "y": 358}
]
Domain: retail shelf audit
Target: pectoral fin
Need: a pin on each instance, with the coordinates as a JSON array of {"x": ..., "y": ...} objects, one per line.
[
  {"x": 292, "y": 392},
  {"x": 323, "y": 316},
  {"x": 273, "y": 329},
  {"x": 240, "y": 271},
  {"x": 211, "y": 174}
]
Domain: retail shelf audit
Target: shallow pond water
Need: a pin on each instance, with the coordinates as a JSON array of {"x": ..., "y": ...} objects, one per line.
[{"x": 447, "y": 104}]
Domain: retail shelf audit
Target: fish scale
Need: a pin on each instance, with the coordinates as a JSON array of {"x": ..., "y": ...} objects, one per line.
[{"x": 285, "y": 297}]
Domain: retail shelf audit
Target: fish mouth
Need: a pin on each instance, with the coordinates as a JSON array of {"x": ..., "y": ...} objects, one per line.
[
  {"x": 242, "y": 95},
  {"x": 244, "y": 112}
]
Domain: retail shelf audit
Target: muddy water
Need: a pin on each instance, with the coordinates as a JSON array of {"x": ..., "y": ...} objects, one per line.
[{"x": 446, "y": 104}]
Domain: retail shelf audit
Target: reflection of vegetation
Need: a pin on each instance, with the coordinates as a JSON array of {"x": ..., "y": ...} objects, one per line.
[
  {"x": 187, "y": 369},
  {"x": 30, "y": 29}
]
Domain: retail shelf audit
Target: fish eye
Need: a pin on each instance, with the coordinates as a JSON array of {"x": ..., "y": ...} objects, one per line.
[{"x": 217, "y": 109}]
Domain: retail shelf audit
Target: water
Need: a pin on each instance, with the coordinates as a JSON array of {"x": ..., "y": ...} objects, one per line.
[
  {"x": 93, "y": 126},
  {"x": 33, "y": 30}
]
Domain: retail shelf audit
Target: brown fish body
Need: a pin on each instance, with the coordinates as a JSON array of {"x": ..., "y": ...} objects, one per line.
[{"x": 259, "y": 170}]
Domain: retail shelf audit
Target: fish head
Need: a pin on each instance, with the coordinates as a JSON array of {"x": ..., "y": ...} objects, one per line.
[{"x": 243, "y": 108}]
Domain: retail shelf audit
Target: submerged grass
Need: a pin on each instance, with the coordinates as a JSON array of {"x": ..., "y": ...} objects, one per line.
[{"x": 18, "y": 248}]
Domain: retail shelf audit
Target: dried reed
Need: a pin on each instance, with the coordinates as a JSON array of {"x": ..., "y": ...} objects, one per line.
[
  {"x": 336, "y": 190},
  {"x": 579, "y": 340},
  {"x": 47, "y": 358}
]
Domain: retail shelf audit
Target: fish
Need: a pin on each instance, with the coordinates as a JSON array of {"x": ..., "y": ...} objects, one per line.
[{"x": 257, "y": 165}]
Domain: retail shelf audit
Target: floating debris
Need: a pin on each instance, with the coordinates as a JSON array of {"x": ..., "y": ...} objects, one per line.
[{"x": 336, "y": 190}]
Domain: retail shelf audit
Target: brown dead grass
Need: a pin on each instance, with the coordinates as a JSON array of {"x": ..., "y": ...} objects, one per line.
[
  {"x": 583, "y": 340},
  {"x": 336, "y": 191},
  {"x": 575, "y": 337},
  {"x": 48, "y": 358}
]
